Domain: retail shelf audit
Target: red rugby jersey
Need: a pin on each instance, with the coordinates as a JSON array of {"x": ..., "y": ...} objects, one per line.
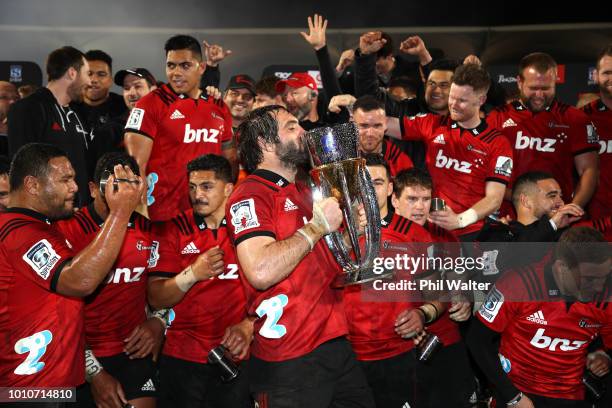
[
  {"x": 117, "y": 306},
  {"x": 395, "y": 157},
  {"x": 544, "y": 342},
  {"x": 601, "y": 116},
  {"x": 210, "y": 306},
  {"x": 372, "y": 323},
  {"x": 546, "y": 141},
  {"x": 182, "y": 129},
  {"x": 302, "y": 311},
  {"x": 42, "y": 332},
  {"x": 461, "y": 161}
]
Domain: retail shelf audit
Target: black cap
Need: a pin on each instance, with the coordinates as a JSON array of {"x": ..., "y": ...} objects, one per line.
[
  {"x": 139, "y": 72},
  {"x": 242, "y": 82}
]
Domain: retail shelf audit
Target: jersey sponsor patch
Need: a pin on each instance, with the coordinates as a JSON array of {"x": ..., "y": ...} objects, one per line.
[
  {"x": 244, "y": 216},
  {"x": 592, "y": 136},
  {"x": 42, "y": 258},
  {"x": 503, "y": 167},
  {"x": 135, "y": 119},
  {"x": 492, "y": 304}
]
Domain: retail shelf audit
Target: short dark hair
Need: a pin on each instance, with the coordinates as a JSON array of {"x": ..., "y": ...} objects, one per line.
[
  {"x": 376, "y": 159},
  {"x": 472, "y": 75},
  {"x": 184, "y": 42},
  {"x": 266, "y": 86},
  {"x": 260, "y": 125},
  {"x": 386, "y": 49},
  {"x": 409, "y": 178},
  {"x": 575, "y": 246},
  {"x": 212, "y": 162},
  {"x": 32, "y": 160},
  {"x": 5, "y": 165},
  {"x": 61, "y": 60},
  {"x": 368, "y": 103},
  {"x": 409, "y": 84},
  {"x": 606, "y": 52},
  {"x": 540, "y": 61},
  {"x": 99, "y": 55},
  {"x": 108, "y": 161},
  {"x": 527, "y": 181},
  {"x": 444, "y": 65}
]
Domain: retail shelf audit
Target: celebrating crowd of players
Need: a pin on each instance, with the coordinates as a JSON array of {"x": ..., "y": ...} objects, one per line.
[{"x": 138, "y": 235}]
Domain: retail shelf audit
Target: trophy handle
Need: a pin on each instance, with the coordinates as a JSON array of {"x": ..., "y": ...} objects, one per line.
[{"x": 372, "y": 229}]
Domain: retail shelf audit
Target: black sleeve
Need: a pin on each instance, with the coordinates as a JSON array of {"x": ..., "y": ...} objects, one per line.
[
  {"x": 211, "y": 77},
  {"x": 540, "y": 231},
  {"x": 328, "y": 74},
  {"x": 26, "y": 124},
  {"x": 481, "y": 342}
]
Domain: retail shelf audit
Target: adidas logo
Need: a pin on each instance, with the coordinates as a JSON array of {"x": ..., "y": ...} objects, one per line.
[
  {"x": 537, "y": 317},
  {"x": 509, "y": 123},
  {"x": 289, "y": 206},
  {"x": 149, "y": 386},
  {"x": 439, "y": 139},
  {"x": 190, "y": 249},
  {"x": 177, "y": 115},
  {"x": 406, "y": 405}
]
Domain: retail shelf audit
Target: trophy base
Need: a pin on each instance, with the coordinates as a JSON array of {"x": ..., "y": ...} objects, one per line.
[{"x": 358, "y": 277}]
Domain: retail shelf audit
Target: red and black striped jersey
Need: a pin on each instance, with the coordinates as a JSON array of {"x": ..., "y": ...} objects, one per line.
[
  {"x": 182, "y": 129},
  {"x": 544, "y": 339},
  {"x": 210, "y": 306},
  {"x": 603, "y": 225},
  {"x": 371, "y": 318},
  {"x": 461, "y": 161},
  {"x": 601, "y": 116},
  {"x": 117, "y": 306},
  {"x": 42, "y": 332},
  {"x": 395, "y": 157},
  {"x": 546, "y": 141},
  {"x": 302, "y": 311}
]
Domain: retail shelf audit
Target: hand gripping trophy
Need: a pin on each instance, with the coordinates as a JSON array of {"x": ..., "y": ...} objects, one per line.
[{"x": 338, "y": 171}]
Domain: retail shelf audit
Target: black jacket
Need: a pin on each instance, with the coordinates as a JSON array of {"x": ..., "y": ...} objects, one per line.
[{"x": 38, "y": 118}]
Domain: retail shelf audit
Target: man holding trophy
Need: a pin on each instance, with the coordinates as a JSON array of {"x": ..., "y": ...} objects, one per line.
[{"x": 299, "y": 351}]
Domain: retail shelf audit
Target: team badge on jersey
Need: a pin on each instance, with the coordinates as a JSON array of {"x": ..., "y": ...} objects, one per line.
[
  {"x": 244, "y": 216},
  {"x": 492, "y": 304},
  {"x": 135, "y": 119},
  {"x": 42, "y": 258},
  {"x": 503, "y": 167}
]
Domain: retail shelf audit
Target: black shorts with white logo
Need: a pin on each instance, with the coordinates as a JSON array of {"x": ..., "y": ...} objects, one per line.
[{"x": 138, "y": 377}]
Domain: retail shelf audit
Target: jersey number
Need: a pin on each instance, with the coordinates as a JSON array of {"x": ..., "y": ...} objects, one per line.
[
  {"x": 232, "y": 272},
  {"x": 273, "y": 310},
  {"x": 36, "y": 346}
]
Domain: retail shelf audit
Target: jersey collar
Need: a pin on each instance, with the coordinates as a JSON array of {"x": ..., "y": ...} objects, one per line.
[
  {"x": 29, "y": 213},
  {"x": 601, "y": 106},
  {"x": 272, "y": 177},
  {"x": 518, "y": 105},
  {"x": 475, "y": 131},
  {"x": 387, "y": 220},
  {"x": 183, "y": 96},
  {"x": 201, "y": 222}
]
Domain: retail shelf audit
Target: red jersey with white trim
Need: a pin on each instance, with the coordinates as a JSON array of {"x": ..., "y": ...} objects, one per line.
[
  {"x": 460, "y": 161},
  {"x": 372, "y": 323},
  {"x": 182, "y": 129},
  {"x": 543, "y": 343},
  {"x": 601, "y": 116},
  {"x": 395, "y": 157},
  {"x": 117, "y": 306},
  {"x": 210, "y": 306},
  {"x": 302, "y": 311},
  {"x": 42, "y": 331},
  {"x": 546, "y": 141}
]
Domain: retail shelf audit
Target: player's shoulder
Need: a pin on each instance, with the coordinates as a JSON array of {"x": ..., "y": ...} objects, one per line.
[
  {"x": 181, "y": 224},
  {"x": 14, "y": 222},
  {"x": 567, "y": 112},
  {"x": 163, "y": 96},
  {"x": 141, "y": 223}
]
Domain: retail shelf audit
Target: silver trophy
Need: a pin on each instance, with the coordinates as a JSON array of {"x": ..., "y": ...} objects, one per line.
[{"x": 338, "y": 171}]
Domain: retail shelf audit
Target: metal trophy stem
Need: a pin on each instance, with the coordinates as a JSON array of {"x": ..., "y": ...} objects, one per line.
[{"x": 339, "y": 172}]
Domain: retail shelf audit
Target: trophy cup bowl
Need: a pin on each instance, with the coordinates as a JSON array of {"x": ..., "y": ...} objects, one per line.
[{"x": 338, "y": 171}]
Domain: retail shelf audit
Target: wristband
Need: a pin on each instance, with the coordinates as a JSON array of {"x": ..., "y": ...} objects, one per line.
[
  {"x": 430, "y": 312},
  {"x": 307, "y": 237},
  {"x": 185, "y": 280},
  {"x": 92, "y": 365},
  {"x": 467, "y": 217},
  {"x": 514, "y": 401}
]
